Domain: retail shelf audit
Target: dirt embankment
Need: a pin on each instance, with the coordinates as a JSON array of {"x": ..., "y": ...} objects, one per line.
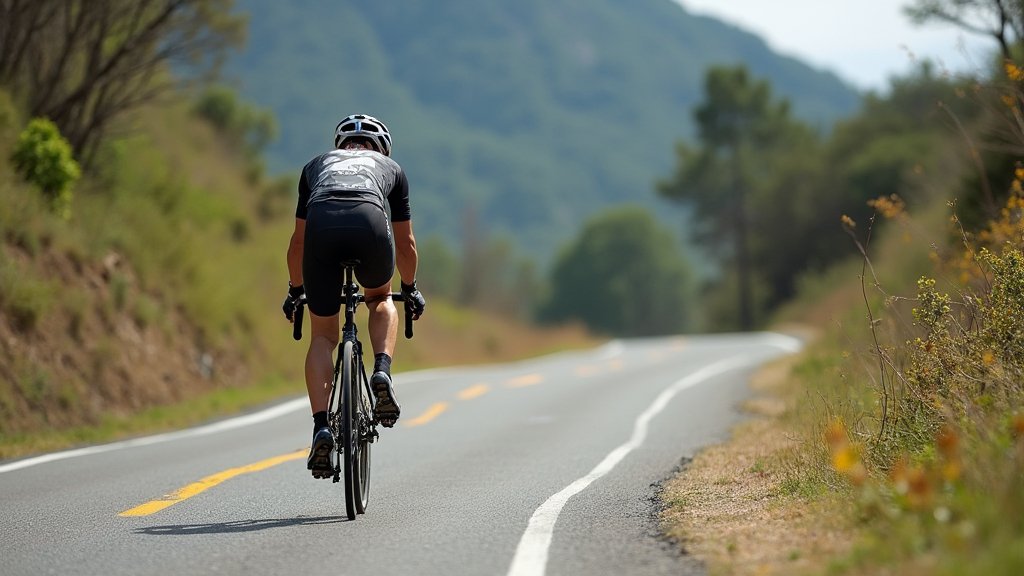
[{"x": 92, "y": 350}]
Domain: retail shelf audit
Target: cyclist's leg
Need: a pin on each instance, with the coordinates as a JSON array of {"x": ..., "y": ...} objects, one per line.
[
  {"x": 322, "y": 280},
  {"x": 319, "y": 374},
  {"x": 378, "y": 266},
  {"x": 319, "y": 360},
  {"x": 383, "y": 320}
]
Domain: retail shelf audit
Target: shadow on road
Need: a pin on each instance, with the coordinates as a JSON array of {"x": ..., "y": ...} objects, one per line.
[{"x": 237, "y": 526}]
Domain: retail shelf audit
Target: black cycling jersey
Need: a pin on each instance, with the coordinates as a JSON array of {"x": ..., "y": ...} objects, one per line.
[{"x": 357, "y": 176}]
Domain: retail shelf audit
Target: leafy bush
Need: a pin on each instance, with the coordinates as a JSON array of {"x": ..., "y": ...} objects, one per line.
[
  {"x": 43, "y": 158},
  {"x": 247, "y": 125},
  {"x": 938, "y": 456}
]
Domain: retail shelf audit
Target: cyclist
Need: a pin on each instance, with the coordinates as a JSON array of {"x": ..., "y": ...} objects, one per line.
[{"x": 341, "y": 216}]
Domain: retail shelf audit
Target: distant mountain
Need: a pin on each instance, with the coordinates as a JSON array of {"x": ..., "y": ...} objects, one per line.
[{"x": 530, "y": 114}]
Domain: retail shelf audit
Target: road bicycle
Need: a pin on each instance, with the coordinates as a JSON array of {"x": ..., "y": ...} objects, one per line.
[{"x": 350, "y": 409}]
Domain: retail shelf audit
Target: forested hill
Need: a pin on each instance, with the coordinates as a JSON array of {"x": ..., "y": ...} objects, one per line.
[{"x": 522, "y": 116}]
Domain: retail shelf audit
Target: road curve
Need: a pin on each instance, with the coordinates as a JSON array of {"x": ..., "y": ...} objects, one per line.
[{"x": 546, "y": 466}]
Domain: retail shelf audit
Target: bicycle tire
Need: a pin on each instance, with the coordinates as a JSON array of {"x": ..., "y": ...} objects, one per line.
[
  {"x": 364, "y": 420},
  {"x": 349, "y": 432},
  {"x": 334, "y": 417}
]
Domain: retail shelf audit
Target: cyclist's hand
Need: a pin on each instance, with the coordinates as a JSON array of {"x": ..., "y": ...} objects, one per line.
[
  {"x": 414, "y": 301},
  {"x": 295, "y": 295}
]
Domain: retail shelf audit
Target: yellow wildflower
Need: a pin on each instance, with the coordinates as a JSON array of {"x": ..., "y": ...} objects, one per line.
[
  {"x": 888, "y": 206},
  {"x": 988, "y": 357},
  {"x": 1018, "y": 424},
  {"x": 1013, "y": 72},
  {"x": 951, "y": 470}
]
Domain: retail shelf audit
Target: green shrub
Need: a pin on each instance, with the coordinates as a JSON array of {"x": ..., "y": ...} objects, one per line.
[
  {"x": 43, "y": 158},
  {"x": 242, "y": 123}
]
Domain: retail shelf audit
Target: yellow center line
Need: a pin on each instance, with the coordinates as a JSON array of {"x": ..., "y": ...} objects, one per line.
[
  {"x": 205, "y": 484},
  {"x": 431, "y": 413},
  {"x": 473, "y": 392},
  {"x": 586, "y": 370},
  {"x": 526, "y": 380}
]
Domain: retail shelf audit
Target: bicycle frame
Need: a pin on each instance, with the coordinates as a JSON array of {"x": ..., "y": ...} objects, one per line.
[{"x": 351, "y": 402}]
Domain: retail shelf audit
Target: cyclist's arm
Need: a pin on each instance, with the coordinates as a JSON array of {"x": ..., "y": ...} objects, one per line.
[
  {"x": 296, "y": 244},
  {"x": 405, "y": 251},
  {"x": 401, "y": 222},
  {"x": 295, "y": 249}
]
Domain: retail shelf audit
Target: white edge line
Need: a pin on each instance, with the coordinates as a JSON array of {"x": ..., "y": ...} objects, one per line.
[
  {"x": 610, "y": 350},
  {"x": 221, "y": 426},
  {"x": 531, "y": 555}
]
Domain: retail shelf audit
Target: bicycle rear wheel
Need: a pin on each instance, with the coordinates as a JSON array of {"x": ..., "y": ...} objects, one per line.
[
  {"x": 349, "y": 430},
  {"x": 363, "y": 416}
]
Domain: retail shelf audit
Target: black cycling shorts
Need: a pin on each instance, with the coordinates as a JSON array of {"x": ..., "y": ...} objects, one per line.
[{"x": 340, "y": 231}]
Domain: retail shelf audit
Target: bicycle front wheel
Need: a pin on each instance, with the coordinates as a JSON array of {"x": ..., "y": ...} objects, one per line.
[{"x": 349, "y": 429}]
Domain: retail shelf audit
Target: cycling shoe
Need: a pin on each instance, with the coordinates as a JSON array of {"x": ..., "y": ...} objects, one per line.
[
  {"x": 387, "y": 410},
  {"x": 319, "y": 461}
]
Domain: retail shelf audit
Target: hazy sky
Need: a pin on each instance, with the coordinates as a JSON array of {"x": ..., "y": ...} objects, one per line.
[{"x": 863, "y": 41}]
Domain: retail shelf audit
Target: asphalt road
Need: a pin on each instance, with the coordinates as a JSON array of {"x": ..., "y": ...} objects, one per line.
[{"x": 548, "y": 466}]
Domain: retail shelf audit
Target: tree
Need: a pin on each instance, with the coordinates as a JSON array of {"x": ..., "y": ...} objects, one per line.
[
  {"x": 82, "y": 63},
  {"x": 736, "y": 122},
  {"x": 622, "y": 275},
  {"x": 1003, "y": 20}
]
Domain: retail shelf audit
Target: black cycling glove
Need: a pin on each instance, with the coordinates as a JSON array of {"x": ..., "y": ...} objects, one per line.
[
  {"x": 414, "y": 301},
  {"x": 291, "y": 301}
]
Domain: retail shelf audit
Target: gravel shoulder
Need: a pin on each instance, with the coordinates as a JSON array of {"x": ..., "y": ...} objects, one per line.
[{"x": 737, "y": 508}]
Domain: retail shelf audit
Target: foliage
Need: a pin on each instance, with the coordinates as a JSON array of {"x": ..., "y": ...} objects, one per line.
[
  {"x": 83, "y": 64},
  {"x": 959, "y": 421},
  {"x": 796, "y": 184},
  {"x": 43, "y": 158},
  {"x": 244, "y": 124},
  {"x": 934, "y": 449},
  {"x": 926, "y": 430},
  {"x": 741, "y": 127},
  {"x": 622, "y": 275}
]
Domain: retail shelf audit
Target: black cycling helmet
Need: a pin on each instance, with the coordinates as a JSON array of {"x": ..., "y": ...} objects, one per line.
[{"x": 364, "y": 126}]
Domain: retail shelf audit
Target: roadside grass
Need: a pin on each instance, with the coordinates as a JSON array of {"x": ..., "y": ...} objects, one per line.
[
  {"x": 896, "y": 444},
  {"x": 926, "y": 430},
  {"x": 156, "y": 419},
  {"x": 915, "y": 411}
]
